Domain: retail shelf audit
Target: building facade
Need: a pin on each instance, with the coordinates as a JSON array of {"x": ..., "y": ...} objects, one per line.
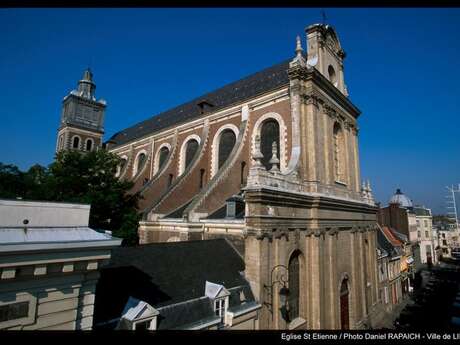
[
  {"x": 424, "y": 221},
  {"x": 271, "y": 163},
  {"x": 49, "y": 265}
]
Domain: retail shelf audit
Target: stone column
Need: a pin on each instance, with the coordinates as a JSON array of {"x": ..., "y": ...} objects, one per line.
[
  {"x": 316, "y": 278},
  {"x": 356, "y": 160},
  {"x": 355, "y": 311},
  {"x": 331, "y": 279},
  {"x": 308, "y": 139}
]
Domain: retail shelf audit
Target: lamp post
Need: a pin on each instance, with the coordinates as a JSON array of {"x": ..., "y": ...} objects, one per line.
[{"x": 282, "y": 279}]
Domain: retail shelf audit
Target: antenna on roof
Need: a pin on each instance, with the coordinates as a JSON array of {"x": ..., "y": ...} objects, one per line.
[
  {"x": 452, "y": 205},
  {"x": 323, "y": 15}
]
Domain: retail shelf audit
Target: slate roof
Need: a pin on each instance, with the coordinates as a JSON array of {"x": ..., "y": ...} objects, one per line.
[
  {"x": 186, "y": 314},
  {"x": 163, "y": 274},
  {"x": 258, "y": 83}
]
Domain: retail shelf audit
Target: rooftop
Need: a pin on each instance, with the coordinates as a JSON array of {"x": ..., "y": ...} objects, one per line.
[
  {"x": 255, "y": 84},
  {"x": 166, "y": 274}
]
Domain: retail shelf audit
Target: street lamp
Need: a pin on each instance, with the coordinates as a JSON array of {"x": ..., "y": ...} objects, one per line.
[{"x": 283, "y": 292}]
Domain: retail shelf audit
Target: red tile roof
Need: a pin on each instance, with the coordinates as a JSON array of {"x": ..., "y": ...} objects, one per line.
[{"x": 391, "y": 236}]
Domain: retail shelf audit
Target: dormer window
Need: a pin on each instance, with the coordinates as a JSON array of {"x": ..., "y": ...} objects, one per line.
[
  {"x": 219, "y": 297},
  {"x": 219, "y": 307},
  {"x": 138, "y": 315}
]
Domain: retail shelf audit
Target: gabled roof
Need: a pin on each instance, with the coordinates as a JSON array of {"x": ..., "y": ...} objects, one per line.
[
  {"x": 256, "y": 84},
  {"x": 215, "y": 290},
  {"x": 137, "y": 309}
]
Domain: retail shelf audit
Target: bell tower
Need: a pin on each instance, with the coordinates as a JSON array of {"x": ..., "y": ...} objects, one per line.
[
  {"x": 82, "y": 118},
  {"x": 326, "y": 54}
]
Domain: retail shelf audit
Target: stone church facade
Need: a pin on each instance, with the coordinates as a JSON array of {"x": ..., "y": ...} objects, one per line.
[{"x": 271, "y": 163}]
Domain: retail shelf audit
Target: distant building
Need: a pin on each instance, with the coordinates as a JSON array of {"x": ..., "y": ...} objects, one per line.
[
  {"x": 447, "y": 237},
  {"x": 49, "y": 265},
  {"x": 399, "y": 214},
  {"x": 424, "y": 221},
  {"x": 389, "y": 267},
  {"x": 178, "y": 285}
]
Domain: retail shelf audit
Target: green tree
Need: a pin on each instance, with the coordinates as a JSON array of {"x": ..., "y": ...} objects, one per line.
[
  {"x": 79, "y": 177},
  {"x": 11, "y": 181},
  {"x": 90, "y": 178}
]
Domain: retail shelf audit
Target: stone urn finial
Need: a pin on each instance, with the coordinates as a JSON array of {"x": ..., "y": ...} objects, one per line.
[{"x": 274, "y": 161}]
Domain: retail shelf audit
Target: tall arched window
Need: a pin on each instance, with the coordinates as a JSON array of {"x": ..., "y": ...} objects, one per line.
[
  {"x": 269, "y": 133},
  {"x": 344, "y": 305},
  {"x": 121, "y": 166},
  {"x": 202, "y": 176},
  {"x": 190, "y": 151},
  {"x": 243, "y": 174},
  {"x": 294, "y": 286},
  {"x": 140, "y": 162},
  {"x": 226, "y": 142},
  {"x": 89, "y": 144},
  {"x": 339, "y": 153},
  {"x": 164, "y": 152},
  {"x": 76, "y": 142}
]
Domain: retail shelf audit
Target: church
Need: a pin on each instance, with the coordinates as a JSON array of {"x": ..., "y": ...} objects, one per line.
[{"x": 270, "y": 163}]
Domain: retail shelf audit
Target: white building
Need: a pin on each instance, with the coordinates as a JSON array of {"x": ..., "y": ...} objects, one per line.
[
  {"x": 424, "y": 222},
  {"x": 49, "y": 265}
]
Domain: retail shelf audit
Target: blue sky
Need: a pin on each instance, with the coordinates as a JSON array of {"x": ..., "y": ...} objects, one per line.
[{"x": 401, "y": 71}]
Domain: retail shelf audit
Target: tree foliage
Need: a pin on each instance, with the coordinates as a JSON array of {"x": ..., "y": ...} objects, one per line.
[{"x": 81, "y": 178}]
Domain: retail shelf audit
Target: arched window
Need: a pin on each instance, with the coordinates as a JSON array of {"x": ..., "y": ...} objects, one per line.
[
  {"x": 170, "y": 180},
  {"x": 344, "y": 307},
  {"x": 332, "y": 75},
  {"x": 140, "y": 162},
  {"x": 269, "y": 133},
  {"x": 76, "y": 142},
  {"x": 164, "y": 152},
  {"x": 339, "y": 153},
  {"x": 61, "y": 140},
  {"x": 202, "y": 176},
  {"x": 120, "y": 167},
  {"x": 226, "y": 142},
  {"x": 294, "y": 286},
  {"x": 243, "y": 174},
  {"x": 89, "y": 144},
  {"x": 190, "y": 151}
]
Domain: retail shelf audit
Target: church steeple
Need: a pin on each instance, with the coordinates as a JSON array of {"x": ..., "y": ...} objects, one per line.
[
  {"x": 86, "y": 86},
  {"x": 82, "y": 119}
]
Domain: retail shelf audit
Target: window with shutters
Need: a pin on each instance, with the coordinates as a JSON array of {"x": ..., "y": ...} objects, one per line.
[{"x": 269, "y": 133}]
